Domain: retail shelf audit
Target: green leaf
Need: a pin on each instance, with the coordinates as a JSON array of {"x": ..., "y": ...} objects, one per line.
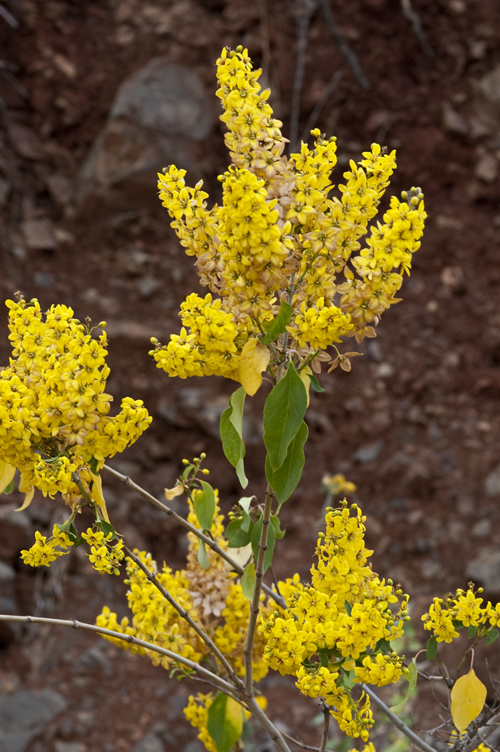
[
  {"x": 278, "y": 325},
  {"x": 248, "y": 581},
  {"x": 277, "y": 529},
  {"x": 202, "y": 556},
  {"x": 431, "y": 648},
  {"x": 8, "y": 489},
  {"x": 244, "y": 504},
  {"x": 231, "y": 433},
  {"x": 348, "y": 607},
  {"x": 471, "y": 632},
  {"x": 187, "y": 470},
  {"x": 382, "y": 646},
  {"x": 492, "y": 636},
  {"x": 93, "y": 465},
  {"x": 284, "y": 411},
  {"x": 285, "y": 480},
  {"x": 323, "y": 659},
  {"x": 106, "y": 528},
  {"x": 271, "y": 540},
  {"x": 225, "y": 722},
  {"x": 412, "y": 679},
  {"x": 236, "y": 536},
  {"x": 315, "y": 383},
  {"x": 204, "y": 505}
]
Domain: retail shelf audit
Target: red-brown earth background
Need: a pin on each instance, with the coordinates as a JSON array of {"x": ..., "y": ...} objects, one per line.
[{"x": 415, "y": 425}]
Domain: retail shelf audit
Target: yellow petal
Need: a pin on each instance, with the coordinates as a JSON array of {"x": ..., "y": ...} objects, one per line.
[
  {"x": 98, "y": 497},
  {"x": 29, "y": 491},
  {"x": 304, "y": 375},
  {"x": 254, "y": 360},
  {"x": 467, "y": 700},
  {"x": 171, "y": 493},
  {"x": 7, "y": 472}
]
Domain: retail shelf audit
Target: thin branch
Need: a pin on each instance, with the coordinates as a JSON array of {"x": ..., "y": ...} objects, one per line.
[
  {"x": 326, "y": 726},
  {"x": 344, "y": 48},
  {"x": 190, "y": 528},
  {"x": 7, "y": 16},
  {"x": 266, "y": 723},
  {"x": 213, "y": 678},
  {"x": 485, "y": 742},
  {"x": 255, "y": 604},
  {"x": 185, "y": 615},
  {"x": 303, "y": 12},
  {"x": 397, "y": 722},
  {"x": 300, "y": 744},
  {"x": 416, "y": 23}
]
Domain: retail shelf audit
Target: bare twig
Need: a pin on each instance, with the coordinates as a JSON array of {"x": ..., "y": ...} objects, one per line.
[
  {"x": 313, "y": 117},
  {"x": 208, "y": 675},
  {"x": 397, "y": 722},
  {"x": 190, "y": 528},
  {"x": 185, "y": 615},
  {"x": 255, "y": 604},
  {"x": 303, "y": 12},
  {"x": 265, "y": 44},
  {"x": 484, "y": 741},
  {"x": 344, "y": 48},
  {"x": 300, "y": 744},
  {"x": 326, "y": 726},
  {"x": 269, "y": 726},
  {"x": 7, "y": 16},
  {"x": 416, "y": 23}
]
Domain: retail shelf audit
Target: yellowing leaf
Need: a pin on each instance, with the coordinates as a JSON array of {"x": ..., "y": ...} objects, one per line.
[
  {"x": 254, "y": 360},
  {"x": 98, "y": 497},
  {"x": 171, "y": 493},
  {"x": 304, "y": 375},
  {"x": 29, "y": 492},
  {"x": 7, "y": 472},
  {"x": 467, "y": 700}
]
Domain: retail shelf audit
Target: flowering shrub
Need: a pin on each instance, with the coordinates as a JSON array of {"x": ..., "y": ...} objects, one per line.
[{"x": 288, "y": 279}]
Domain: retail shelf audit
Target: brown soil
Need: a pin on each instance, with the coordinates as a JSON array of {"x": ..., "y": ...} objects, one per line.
[{"x": 422, "y": 404}]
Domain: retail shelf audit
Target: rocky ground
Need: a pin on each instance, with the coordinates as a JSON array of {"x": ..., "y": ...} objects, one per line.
[{"x": 96, "y": 96}]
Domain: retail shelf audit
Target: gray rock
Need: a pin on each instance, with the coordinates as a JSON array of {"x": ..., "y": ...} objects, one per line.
[
  {"x": 485, "y": 569},
  {"x": 23, "y": 716},
  {"x": 69, "y": 747},
  {"x": 165, "y": 97},
  {"x": 39, "y": 234},
  {"x": 150, "y": 743},
  {"x": 158, "y": 114},
  {"x": 482, "y": 529},
  {"x": 7, "y": 574},
  {"x": 369, "y": 452},
  {"x": 487, "y": 101},
  {"x": 492, "y": 482}
]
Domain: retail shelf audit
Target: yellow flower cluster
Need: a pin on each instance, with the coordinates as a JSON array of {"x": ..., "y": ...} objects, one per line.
[
  {"x": 344, "y": 616},
  {"x": 211, "y": 597},
  {"x": 42, "y": 553},
  {"x": 53, "y": 407},
  {"x": 196, "y": 713},
  {"x": 104, "y": 557},
  {"x": 280, "y": 235},
  {"x": 465, "y": 608},
  {"x": 337, "y": 484},
  {"x": 207, "y": 348}
]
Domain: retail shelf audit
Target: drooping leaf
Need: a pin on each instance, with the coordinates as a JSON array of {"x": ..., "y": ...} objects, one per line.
[
  {"x": 236, "y": 536},
  {"x": 254, "y": 360},
  {"x": 348, "y": 608},
  {"x": 93, "y": 465},
  {"x": 471, "y": 632},
  {"x": 244, "y": 504},
  {"x": 304, "y": 375},
  {"x": 492, "y": 636},
  {"x": 315, "y": 383},
  {"x": 202, "y": 556},
  {"x": 29, "y": 492},
  {"x": 240, "y": 556},
  {"x": 277, "y": 529},
  {"x": 412, "y": 679},
  {"x": 7, "y": 473},
  {"x": 284, "y": 411},
  {"x": 231, "y": 433},
  {"x": 271, "y": 540},
  {"x": 285, "y": 480},
  {"x": 431, "y": 648},
  {"x": 107, "y": 528},
  {"x": 278, "y": 325},
  {"x": 248, "y": 580},
  {"x": 225, "y": 722},
  {"x": 468, "y": 696},
  {"x": 98, "y": 497},
  {"x": 204, "y": 505}
]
